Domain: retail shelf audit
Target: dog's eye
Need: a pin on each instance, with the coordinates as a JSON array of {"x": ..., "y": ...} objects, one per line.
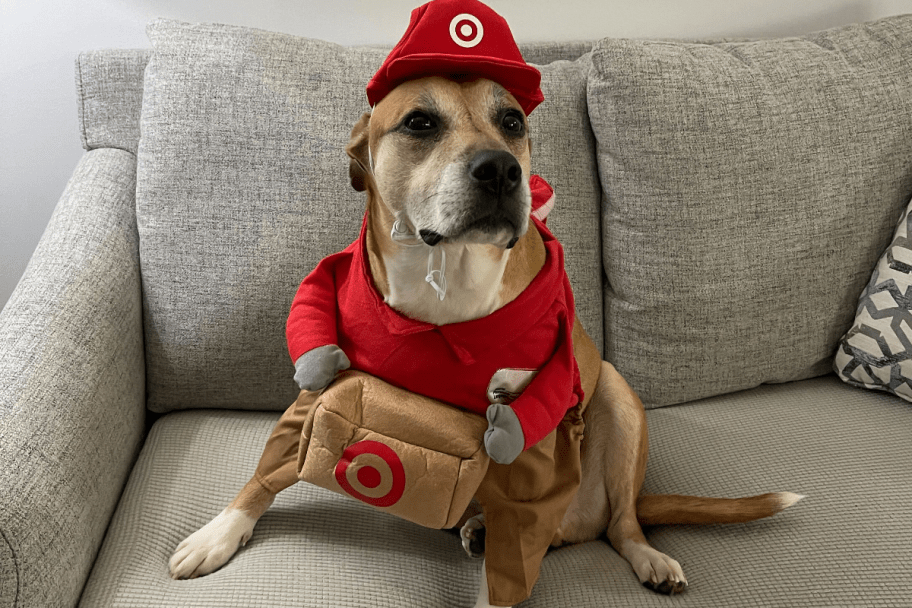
[
  {"x": 513, "y": 123},
  {"x": 420, "y": 122}
]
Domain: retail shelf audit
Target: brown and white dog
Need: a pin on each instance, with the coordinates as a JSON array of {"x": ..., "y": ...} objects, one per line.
[{"x": 417, "y": 155}]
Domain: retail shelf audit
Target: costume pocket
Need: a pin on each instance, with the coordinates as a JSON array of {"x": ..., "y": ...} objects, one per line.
[{"x": 403, "y": 453}]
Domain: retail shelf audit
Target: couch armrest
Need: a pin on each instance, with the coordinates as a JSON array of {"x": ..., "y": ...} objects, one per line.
[{"x": 72, "y": 386}]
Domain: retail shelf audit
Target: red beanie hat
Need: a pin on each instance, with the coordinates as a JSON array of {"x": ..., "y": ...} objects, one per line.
[{"x": 461, "y": 38}]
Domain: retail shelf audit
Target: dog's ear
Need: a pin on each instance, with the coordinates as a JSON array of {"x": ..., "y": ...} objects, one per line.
[{"x": 359, "y": 166}]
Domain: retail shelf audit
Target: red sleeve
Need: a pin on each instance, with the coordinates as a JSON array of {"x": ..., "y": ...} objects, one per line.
[
  {"x": 312, "y": 320},
  {"x": 554, "y": 390}
]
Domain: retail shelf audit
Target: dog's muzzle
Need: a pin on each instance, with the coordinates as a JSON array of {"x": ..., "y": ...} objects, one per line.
[{"x": 495, "y": 199}]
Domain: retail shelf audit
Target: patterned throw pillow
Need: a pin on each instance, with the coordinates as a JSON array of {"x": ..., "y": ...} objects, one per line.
[{"x": 877, "y": 352}]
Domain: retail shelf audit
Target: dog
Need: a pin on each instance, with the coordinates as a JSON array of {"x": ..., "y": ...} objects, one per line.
[{"x": 435, "y": 151}]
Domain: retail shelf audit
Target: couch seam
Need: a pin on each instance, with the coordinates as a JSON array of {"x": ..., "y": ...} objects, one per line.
[
  {"x": 15, "y": 564},
  {"x": 122, "y": 149},
  {"x": 119, "y": 148},
  {"x": 600, "y": 212},
  {"x": 80, "y": 90}
]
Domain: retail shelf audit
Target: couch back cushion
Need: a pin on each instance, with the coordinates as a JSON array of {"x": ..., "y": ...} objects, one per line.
[
  {"x": 242, "y": 187},
  {"x": 748, "y": 190}
]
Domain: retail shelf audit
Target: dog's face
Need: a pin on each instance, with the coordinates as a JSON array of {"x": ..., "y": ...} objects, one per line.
[{"x": 451, "y": 158}]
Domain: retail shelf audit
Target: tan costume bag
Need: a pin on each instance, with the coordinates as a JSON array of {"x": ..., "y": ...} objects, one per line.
[{"x": 403, "y": 453}]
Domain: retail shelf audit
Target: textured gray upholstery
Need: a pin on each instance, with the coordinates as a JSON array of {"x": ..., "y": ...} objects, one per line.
[
  {"x": 749, "y": 189},
  {"x": 109, "y": 84},
  {"x": 71, "y": 386},
  {"x": 110, "y": 88}
]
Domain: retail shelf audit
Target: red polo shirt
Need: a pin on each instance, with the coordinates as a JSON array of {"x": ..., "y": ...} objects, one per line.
[{"x": 338, "y": 304}]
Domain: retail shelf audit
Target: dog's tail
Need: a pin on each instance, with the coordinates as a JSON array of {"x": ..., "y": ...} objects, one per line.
[{"x": 658, "y": 509}]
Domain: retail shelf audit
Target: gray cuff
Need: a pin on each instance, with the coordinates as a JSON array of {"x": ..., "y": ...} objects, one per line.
[
  {"x": 504, "y": 440},
  {"x": 315, "y": 369}
]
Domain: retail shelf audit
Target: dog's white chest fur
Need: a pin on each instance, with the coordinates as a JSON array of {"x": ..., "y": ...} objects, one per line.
[{"x": 473, "y": 279}]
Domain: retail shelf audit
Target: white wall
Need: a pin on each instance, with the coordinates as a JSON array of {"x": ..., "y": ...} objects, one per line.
[{"x": 39, "y": 40}]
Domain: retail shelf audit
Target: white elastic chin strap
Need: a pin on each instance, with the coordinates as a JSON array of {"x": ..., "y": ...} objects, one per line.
[
  {"x": 436, "y": 277},
  {"x": 402, "y": 233}
]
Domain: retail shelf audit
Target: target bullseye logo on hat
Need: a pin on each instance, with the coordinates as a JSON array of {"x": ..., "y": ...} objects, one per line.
[
  {"x": 371, "y": 472},
  {"x": 466, "y": 30}
]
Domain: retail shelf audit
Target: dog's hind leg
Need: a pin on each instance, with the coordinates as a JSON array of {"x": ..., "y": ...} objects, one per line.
[
  {"x": 210, "y": 547},
  {"x": 614, "y": 466},
  {"x": 626, "y": 453}
]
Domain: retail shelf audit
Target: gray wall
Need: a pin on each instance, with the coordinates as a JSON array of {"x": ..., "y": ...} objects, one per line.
[{"x": 39, "y": 39}]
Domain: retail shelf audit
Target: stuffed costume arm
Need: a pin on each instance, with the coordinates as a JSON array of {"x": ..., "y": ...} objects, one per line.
[
  {"x": 504, "y": 438},
  {"x": 315, "y": 369},
  {"x": 311, "y": 330},
  {"x": 539, "y": 409}
]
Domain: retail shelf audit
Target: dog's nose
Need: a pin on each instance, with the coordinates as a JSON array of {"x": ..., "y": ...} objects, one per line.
[{"x": 496, "y": 171}]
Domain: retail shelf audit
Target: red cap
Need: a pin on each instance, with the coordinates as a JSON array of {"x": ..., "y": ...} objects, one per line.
[{"x": 458, "y": 38}]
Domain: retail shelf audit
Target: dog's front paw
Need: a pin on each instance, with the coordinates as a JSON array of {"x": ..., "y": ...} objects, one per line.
[
  {"x": 207, "y": 549},
  {"x": 473, "y": 536}
]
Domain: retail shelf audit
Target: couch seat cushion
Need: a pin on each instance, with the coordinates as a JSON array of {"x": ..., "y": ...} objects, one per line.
[
  {"x": 847, "y": 450},
  {"x": 843, "y": 545}
]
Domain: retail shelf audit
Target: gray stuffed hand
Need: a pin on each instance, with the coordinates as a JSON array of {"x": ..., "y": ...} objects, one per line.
[
  {"x": 504, "y": 439},
  {"x": 316, "y": 368}
]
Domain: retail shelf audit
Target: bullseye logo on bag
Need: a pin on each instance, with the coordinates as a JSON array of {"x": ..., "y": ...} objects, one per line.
[
  {"x": 466, "y": 30},
  {"x": 371, "y": 472}
]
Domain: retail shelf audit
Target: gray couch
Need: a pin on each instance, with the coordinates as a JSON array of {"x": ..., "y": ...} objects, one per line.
[{"x": 721, "y": 205}]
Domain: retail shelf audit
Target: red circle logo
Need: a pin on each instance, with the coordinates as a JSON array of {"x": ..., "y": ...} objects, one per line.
[{"x": 371, "y": 472}]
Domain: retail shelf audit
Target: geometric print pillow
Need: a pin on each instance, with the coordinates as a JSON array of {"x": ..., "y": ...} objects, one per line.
[{"x": 877, "y": 352}]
